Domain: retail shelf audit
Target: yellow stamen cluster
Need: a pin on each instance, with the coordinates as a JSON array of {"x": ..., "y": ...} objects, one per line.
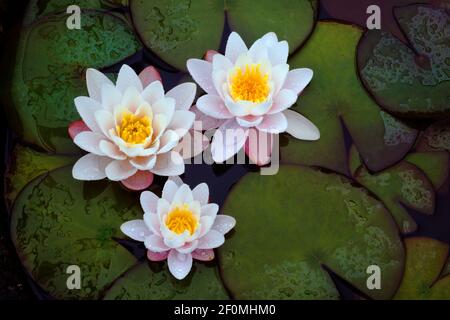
[
  {"x": 181, "y": 219},
  {"x": 134, "y": 129},
  {"x": 249, "y": 84}
]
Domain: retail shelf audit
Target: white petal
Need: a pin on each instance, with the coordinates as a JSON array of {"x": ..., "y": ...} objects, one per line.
[
  {"x": 111, "y": 97},
  {"x": 135, "y": 229},
  {"x": 95, "y": 80},
  {"x": 270, "y": 39},
  {"x": 87, "y": 108},
  {"x": 224, "y": 223},
  {"x": 179, "y": 264},
  {"x": 210, "y": 210},
  {"x": 183, "y": 195},
  {"x": 90, "y": 167},
  {"x": 206, "y": 223},
  {"x": 300, "y": 127},
  {"x": 162, "y": 208},
  {"x": 298, "y": 79},
  {"x": 261, "y": 108},
  {"x": 164, "y": 106},
  {"x": 273, "y": 123},
  {"x": 188, "y": 247},
  {"x": 238, "y": 108},
  {"x": 184, "y": 95},
  {"x": 168, "y": 141},
  {"x": 182, "y": 121},
  {"x": 149, "y": 201},
  {"x": 153, "y": 223},
  {"x": 105, "y": 121},
  {"x": 177, "y": 180},
  {"x": 131, "y": 99},
  {"x": 221, "y": 62},
  {"x": 211, "y": 240},
  {"x": 249, "y": 121},
  {"x": 89, "y": 141},
  {"x": 235, "y": 47},
  {"x": 169, "y": 190},
  {"x": 283, "y": 100},
  {"x": 153, "y": 92},
  {"x": 144, "y": 163},
  {"x": 228, "y": 140},
  {"x": 192, "y": 144},
  {"x": 258, "y": 51},
  {"x": 213, "y": 106},
  {"x": 155, "y": 243},
  {"x": 201, "y": 72},
  {"x": 279, "y": 74},
  {"x": 128, "y": 78},
  {"x": 201, "y": 193},
  {"x": 111, "y": 150},
  {"x": 169, "y": 164},
  {"x": 278, "y": 53},
  {"x": 119, "y": 170}
]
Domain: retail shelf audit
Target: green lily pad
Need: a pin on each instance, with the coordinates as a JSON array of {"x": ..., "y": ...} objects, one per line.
[
  {"x": 436, "y": 165},
  {"x": 413, "y": 80},
  {"x": 422, "y": 279},
  {"x": 154, "y": 282},
  {"x": 42, "y": 90},
  {"x": 336, "y": 97},
  {"x": 26, "y": 164},
  {"x": 293, "y": 225},
  {"x": 177, "y": 30},
  {"x": 58, "y": 221},
  {"x": 435, "y": 137}
]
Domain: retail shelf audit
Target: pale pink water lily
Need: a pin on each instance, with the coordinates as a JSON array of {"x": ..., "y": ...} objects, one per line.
[
  {"x": 250, "y": 92},
  {"x": 131, "y": 129},
  {"x": 180, "y": 226}
]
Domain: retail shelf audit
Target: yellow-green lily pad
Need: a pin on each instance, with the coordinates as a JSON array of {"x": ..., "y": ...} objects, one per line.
[
  {"x": 336, "y": 97},
  {"x": 293, "y": 226},
  {"x": 154, "y": 282},
  {"x": 177, "y": 30},
  {"x": 58, "y": 222}
]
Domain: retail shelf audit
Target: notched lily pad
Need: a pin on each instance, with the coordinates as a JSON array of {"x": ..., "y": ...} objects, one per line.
[
  {"x": 414, "y": 80},
  {"x": 336, "y": 97},
  {"x": 154, "y": 282},
  {"x": 26, "y": 164},
  {"x": 42, "y": 90},
  {"x": 177, "y": 30},
  {"x": 54, "y": 226},
  {"x": 423, "y": 279},
  {"x": 292, "y": 224}
]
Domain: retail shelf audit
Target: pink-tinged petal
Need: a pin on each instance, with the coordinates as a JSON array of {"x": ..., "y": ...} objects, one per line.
[
  {"x": 249, "y": 121},
  {"x": 278, "y": 53},
  {"x": 279, "y": 74},
  {"x": 201, "y": 72},
  {"x": 179, "y": 264},
  {"x": 184, "y": 95},
  {"x": 203, "y": 254},
  {"x": 139, "y": 181},
  {"x": 235, "y": 47},
  {"x": 258, "y": 147},
  {"x": 224, "y": 223},
  {"x": 105, "y": 121},
  {"x": 144, "y": 163},
  {"x": 149, "y": 202},
  {"x": 90, "y": 167},
  {"x": 182, "y": 121},
  {"x": 164, "y": 106},
  {"x": 213, "y": 106},
  {"x": 188, "y": 247},
  {"x": 192, "y": 144},
  {"x": 119, "y": 170},
  {"x": 238, "y": 108},
  {"x": 283, "y": 100},
  {"x": 168, "y": 141},
  {"x": 201, "y": 193},
  {"x": 111, "y": 150},
  {"x": 169, "y": 164},
  {"x": 261, "y": 108},
  {"x": 131, "y": 99},
  {"x": 155, "y": 243},
  {"x": 128, "y": 78},
  {"x": 149, "y": 75},
  {"x": 206, "y": 223},
  {"x": 273, "y": 123},
  {"x": 89, "y": 141},
  {"x": 169, "y": 190},
  {"x": 209, "y": 55},
  {"x": 221, "y": 62},
  {"x": 95, "y": 81},
  {"x": 210, "y": 210},
  {"x": 183, "y": 195},
  {"x": 153, "y": 223},
  {"x": 135, "y": 229},
  {"x": 157, "y": 256},
  {"x": 77, "y": 127},
  {"x": 111, "y": 97},
  {"x": 87, "y": 108},
  {"x": 228, "y": 140},
  {"x": 153, "y": 92},
  {"x": 211, "y": 240},
  {"x": 298, "y": 79},
  {"x": 203, "y": 122},
  {"x": 299, "y": 127}
]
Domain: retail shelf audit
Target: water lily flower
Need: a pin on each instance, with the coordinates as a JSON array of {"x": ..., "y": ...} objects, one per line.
[
  {"x": 251, "y": 91},
  {"x": 180, "y": 226},
  {"x": 130, "y": 129}
]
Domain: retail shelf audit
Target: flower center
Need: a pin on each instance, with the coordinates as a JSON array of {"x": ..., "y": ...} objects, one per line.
[
  {"x": 134, "y": 129},
  {"x": 249, "y": 84},
  {"x": 181, "y": 219}
]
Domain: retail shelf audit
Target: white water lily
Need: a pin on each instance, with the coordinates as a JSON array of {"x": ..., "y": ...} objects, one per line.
[
  {"x": 134, "y": 127},
  {"x": 250, "y": 90},
  {"x": 180, "y": 226}
]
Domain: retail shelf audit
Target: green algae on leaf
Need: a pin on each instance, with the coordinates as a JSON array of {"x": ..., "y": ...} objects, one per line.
[
  {"x": 435, "y": 137},
  {"x": 26, "y": 164},
  {"x": 436, "y": 165},
  {"x": 42, "y": 90},
  {"x": 154, "y": 282},
  {"x": 300, "y": 221},
  {"x": 412, "y": 80},
  {"x": 423, "y": 278},
  {"x": 55, "y": 223},
  {"x": 336, "y": 97},
  {"x": 176, "y": 30}
]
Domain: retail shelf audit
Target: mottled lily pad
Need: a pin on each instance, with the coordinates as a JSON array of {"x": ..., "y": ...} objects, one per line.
[
  {"x": 414, "y": 80},
  {"x": 336, "y": 97},
  {"x": 435, "y": 137},
  {"x": 58, "y": 221},
  {"x": 42, "y": 90},
  {"x": 436, "y": 165},
  {"x": 176, "y": 30},
  {"x": 26, "y": 164},
  {"x": 425, "y": 259},
  {"x": 293, "y": 225},
  {"x": 154, "y": 282}
]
